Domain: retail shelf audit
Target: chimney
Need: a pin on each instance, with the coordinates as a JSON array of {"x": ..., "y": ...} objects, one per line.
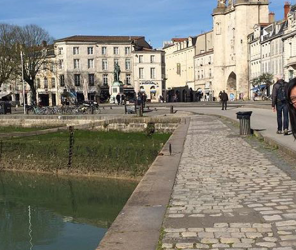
[
  {"x": 271, "y": 17},
  {"x": 287, "y": 8}
]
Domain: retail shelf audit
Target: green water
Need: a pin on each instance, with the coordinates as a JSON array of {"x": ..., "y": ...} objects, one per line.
[{"x": 45, "y": 212}]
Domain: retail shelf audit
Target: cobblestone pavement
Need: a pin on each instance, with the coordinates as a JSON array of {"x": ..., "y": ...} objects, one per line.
[{"x": 228, "y": 195}]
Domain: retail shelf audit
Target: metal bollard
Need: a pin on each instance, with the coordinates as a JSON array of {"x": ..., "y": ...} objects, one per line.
[
  {"x": 125, "y": 109},
  {"x": 244, "y": 122},
  {"x": 170, "y": 148},
  {"x": 172, "y": 110}
]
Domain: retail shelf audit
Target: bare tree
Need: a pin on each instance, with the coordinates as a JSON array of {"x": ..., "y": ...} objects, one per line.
[
  {"x": 34, "y": 44},
  {"x": 8, "y": 52}
]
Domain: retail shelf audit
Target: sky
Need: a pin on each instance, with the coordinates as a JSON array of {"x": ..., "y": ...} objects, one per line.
[{"x": 157, "y": 20}]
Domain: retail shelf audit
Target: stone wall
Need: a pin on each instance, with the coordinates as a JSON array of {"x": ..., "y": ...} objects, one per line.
[{"x": 130, "y": 124}]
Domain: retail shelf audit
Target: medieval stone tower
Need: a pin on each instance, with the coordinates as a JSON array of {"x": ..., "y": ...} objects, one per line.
[{"x": 233, "y": 21}]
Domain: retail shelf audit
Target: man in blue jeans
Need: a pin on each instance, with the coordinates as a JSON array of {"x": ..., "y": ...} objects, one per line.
[{"x": 280, "y": 104}]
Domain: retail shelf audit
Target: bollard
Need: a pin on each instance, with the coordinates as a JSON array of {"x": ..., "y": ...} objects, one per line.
[
  {"x": 244, "y": 122},
  {"x": 170, "y": 148},
  {"x": 71, "y": 144},
  {"x": 139, "y": 112},
  {"x": 125, "y": 109},
  {"x": 172, "y": 110},
  {"x": 92, "y": 109}
]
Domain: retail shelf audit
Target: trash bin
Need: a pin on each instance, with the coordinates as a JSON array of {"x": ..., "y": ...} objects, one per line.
[
  {"x": 244, "y": 122},
  {"x": 5, "y": 108}
]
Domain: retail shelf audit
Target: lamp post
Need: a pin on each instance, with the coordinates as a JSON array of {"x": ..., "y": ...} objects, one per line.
[{"x": 24, "y": 94}]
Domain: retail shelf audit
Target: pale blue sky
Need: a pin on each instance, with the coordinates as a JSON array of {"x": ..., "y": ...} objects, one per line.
[{"x": 157, "y": 20}]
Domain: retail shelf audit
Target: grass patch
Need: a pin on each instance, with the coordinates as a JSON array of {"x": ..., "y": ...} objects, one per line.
[{"x": 104, "y": 152}]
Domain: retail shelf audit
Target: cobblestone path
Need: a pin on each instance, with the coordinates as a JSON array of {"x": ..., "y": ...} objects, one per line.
[{"x": 228, "y": 195}]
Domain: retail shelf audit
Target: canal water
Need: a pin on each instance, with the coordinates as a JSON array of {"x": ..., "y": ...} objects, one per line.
[{"x": 45, "y": 212}]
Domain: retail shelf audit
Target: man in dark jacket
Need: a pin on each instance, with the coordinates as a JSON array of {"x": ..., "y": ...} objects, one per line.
[
  {"x": 280, "y": 105},
  {"x": 224, "y": 100}
]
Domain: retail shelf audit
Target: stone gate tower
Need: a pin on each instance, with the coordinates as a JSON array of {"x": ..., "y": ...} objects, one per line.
[{"x": 233, "y": 21}]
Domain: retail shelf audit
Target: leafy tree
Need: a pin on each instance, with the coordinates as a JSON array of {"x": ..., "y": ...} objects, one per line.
[
  {"x": 265, "y": 78},
  {"x": 33, "y": 42},
  {"x": 8, "y": 52}
]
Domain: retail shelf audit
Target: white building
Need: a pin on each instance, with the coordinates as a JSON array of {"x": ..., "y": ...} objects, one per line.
[{"x": 149, "y": 73}]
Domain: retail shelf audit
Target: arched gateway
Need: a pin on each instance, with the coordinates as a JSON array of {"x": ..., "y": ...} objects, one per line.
[{"x": 231, "y": 82}]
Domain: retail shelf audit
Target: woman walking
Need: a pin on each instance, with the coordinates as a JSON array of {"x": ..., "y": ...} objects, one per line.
[{"x": 292, "y": 104}]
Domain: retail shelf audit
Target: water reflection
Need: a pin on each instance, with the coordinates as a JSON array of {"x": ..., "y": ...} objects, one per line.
[{"x": 48, "y": 212}]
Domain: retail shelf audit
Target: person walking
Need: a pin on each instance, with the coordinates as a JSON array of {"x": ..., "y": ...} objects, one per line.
[
  {"x": 224, "y": 100},
  {"x": 118, "y": 98},
  {"x": 291, "y": 99},
  {"x": 280, "y": 104}
]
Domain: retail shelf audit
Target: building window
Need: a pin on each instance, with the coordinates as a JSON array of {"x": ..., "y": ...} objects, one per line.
[
  {"x": 62, "y": 80},
  {"x": 75, "y": 50},
  {"x": 51, "y": 67},
  {"x": 91, "y": 80},
  {"x": 104, "y": 64},
  {"x": 61, "y": 64},
  {"x": 127, "y": 64},
  {"x": 90, "y": 63},
  {"x": 60, "y": 50},
  {"x": 104, "y": 50},
  {"x": 116, "y": 51},
  {"x": 105, "y": 79},
  {"x": 52, "y": 82},
  {"x": 152, "y": 59},
  {"x": 178, "y": 68},
  {"x": 127, "y": 50},
  {"x": 45, "y": 83},
  {"x": 76, "y": 63},
  {"x": 128, "y": 79},
  {"x": 90, "y": 50},
  {"x": 38, "y": 83},
  {"x": 77, "y": 79},
  {"x": 141, "y": 59},
  {"x": 152, "y": 73},
  {"x": 141, "y": 73}
]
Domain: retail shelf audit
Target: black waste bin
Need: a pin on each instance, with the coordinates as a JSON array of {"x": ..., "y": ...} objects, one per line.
[
  {"x": 244, "y": 122},
  {"x": 5, "y": 108}
]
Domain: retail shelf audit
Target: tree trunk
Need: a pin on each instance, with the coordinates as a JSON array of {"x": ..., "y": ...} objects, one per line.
[{"x": 33, "y": 91}]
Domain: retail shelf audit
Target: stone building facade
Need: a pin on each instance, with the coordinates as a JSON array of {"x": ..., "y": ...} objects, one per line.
[
  {"x": 149, "y": 72},
  {"x": 85, "y": 65},
  {"x": 204, "y": 63},
  {"x": 289, "y": 40},
  {"x": 179, "y": 62},
  {"x": 233, "y": 22}
]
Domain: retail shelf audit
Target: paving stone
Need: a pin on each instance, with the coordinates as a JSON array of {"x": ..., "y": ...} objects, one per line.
[
  {"x": 266, "y": 244},
  {"x": 286, "y": 223},
  {"x": 221, "y": 246},
  {"x": 189, "y": 234},
  {"x": 209, "y": 241},
  {"x": 167, "y": 245},
  {"x": 271, "y": 239},
  {"x": 200, "y": 246},
  {"x": 272, "y": 218},
  {"x": 254, "y": 235},
  {"x": 184, "y": 245},
  {"x": 229, "y": 240},
  {"x": 288, "y": 237}
]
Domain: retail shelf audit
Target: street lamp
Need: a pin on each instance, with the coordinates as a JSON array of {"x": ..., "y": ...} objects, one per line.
[{"x": 24, "y": 97}]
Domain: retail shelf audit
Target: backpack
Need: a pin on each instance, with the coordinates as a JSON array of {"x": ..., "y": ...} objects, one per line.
[{"x": 281, "y": 93}]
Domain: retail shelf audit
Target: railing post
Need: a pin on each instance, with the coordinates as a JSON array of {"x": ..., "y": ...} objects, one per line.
[{"x": 71, "y": 144}]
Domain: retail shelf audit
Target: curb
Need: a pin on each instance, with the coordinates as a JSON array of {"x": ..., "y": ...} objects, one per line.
[{"x": 138, "y": 225}]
